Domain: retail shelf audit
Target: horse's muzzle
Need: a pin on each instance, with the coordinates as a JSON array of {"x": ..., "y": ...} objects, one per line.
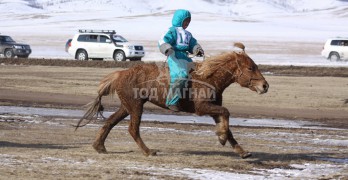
[{"x": 262, "y": 88}]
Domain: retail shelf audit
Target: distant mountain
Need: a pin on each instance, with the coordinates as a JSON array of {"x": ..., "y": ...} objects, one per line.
[{"x": 253, "y": 8}]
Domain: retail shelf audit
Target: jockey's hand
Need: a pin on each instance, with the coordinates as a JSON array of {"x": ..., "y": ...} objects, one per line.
[
  {"x": 169, "y": 51},
  {"x": 200, "y": 52}
]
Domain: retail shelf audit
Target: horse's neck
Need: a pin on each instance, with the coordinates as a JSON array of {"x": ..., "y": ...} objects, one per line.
[{"x": 224, "y": 76}]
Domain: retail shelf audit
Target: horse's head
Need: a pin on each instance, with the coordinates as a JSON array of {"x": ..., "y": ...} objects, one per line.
[
  {"x": 247, "y": 74},
  {"x": 238, "y": 65}
]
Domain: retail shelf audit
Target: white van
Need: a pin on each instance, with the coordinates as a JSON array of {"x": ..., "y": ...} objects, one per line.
[
  {"x": 336, "y": 49},
  {"x": 103, "y": 44}
]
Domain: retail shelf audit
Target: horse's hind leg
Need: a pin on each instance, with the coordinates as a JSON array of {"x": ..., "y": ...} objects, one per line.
[
  {"x": 112, "y": 121},
  {"x": 237, "y": 148},
  {"x": 134, "y": 127}
]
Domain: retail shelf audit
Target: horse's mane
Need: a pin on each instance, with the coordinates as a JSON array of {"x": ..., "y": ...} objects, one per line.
[{"x": 212, "y": 64}]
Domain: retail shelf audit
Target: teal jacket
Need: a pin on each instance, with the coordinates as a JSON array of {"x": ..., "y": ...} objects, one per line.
[{"x": 180, "y": 39}]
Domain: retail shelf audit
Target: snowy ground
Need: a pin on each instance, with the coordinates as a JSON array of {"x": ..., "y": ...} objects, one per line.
[
  {"x": 167, "y": 118},
  {"x": 288, "y": 33}
]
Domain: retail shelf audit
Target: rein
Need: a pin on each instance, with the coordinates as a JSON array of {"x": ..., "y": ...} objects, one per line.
[{"x": 195, "y": 55}]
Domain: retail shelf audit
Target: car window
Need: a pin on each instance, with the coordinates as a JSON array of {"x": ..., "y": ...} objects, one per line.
[
  {"x": 92, "y": 38},
  {"x": 103, "y": 39},
  {"x": 345, "y": 43},
  {"x": 6, "y": 39},
  {"x": 118, "y": 38},
  {"x": 335, "y": 42},
  {"x": 81, "y": 38},
  {"x": 88, "y": 38},
  {"x": 339, "y": 43}
]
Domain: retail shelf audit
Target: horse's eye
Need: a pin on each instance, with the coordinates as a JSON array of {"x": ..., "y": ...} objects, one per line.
[{"x": 252, "y": 68}]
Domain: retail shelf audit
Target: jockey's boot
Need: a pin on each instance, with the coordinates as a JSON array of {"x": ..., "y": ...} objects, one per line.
[{"x": 174, "y": 108}]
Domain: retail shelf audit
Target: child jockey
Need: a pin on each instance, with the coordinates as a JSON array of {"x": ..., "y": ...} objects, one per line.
[{"x": 176, "y": 44}]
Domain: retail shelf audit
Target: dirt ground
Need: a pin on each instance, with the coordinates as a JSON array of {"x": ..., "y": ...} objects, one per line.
[
  {"x": 39, "y": 147},
  {"x": 49, "y": 148},
  {"x": 310, "y": 93}
]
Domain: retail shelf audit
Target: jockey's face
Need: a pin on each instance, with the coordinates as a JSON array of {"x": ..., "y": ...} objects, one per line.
[{"x": 186, "y": 23}]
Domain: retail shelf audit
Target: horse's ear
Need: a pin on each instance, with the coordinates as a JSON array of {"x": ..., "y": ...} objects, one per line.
[{"x": 239, "y": 45}]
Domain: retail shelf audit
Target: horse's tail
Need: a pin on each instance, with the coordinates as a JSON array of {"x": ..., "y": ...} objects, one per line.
[{"x": 107, "y": 86}]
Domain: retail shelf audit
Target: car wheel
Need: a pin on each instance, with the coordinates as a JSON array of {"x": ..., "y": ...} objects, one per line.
[
  {"x": 334, "y": 56},
  {"x": 119, "y": 56},
  {"x": 9, "y": 53},
  {"x": 82, "y": 55}
]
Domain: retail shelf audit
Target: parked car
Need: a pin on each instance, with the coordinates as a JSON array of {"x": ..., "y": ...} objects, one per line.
[
  {"x": 9, "y": 48},
  {"x": 103, "y": 44},
  {"x": 336, "y": 49}
]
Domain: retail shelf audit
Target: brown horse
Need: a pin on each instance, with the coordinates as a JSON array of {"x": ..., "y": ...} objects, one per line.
[{"x": 150, "y": 82}]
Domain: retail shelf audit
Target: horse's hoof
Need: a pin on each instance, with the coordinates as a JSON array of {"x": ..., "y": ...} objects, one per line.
[
  {"x": 152, "y": 153},
  {"x": 246, "y": 155},
  {"x": 100, "y": 149},
  {"x": 223, "y": 139}
]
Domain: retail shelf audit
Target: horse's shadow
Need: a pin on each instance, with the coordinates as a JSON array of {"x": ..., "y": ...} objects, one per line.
[
  {"x": 121, "y": 152},
  {"x": 37, "y": 146},
  {"x": 211, "y": 153},
  {"x": 262, "y": 157}
]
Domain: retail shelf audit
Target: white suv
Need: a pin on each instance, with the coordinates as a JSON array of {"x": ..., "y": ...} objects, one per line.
[
  {"x": 100, "y": 44},
  {"x": 336, "y": 49}
]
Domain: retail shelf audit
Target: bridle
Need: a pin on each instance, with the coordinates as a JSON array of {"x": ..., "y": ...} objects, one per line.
[{"x": 251, "y": 78}]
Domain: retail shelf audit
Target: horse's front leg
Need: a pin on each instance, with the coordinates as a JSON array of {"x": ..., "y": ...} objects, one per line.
[
  {"x": 237, "y": 148},
  {"x": 222, "y": 127},
  {"x": 221, "y": 117}
]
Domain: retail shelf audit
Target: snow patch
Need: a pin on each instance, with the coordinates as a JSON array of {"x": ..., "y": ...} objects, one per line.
[
  {"x": 331, "y": 142},
  {"x": 306, "y": 171},
  {"x": 192, "y": 173},
  {"x": 302, "y": 171},
  {"x": 165, "y": 118},
  {"x": 9, "y": 160},
  {"x": 66, "y": 161}
]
